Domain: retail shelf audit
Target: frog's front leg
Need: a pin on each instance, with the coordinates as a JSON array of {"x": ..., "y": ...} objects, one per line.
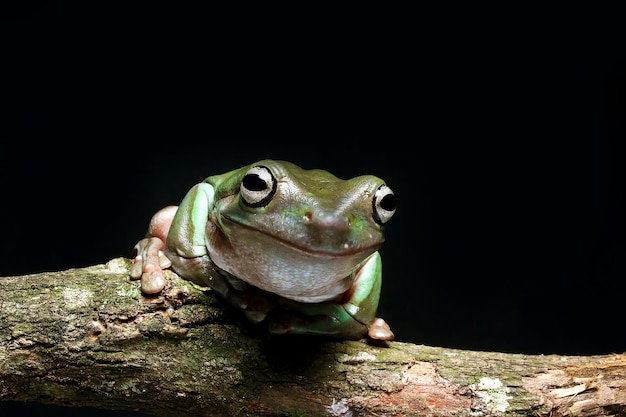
[
  {"x": 175, "y": 239},
  {"x": 149, "y": 258},
  {"x": 351, "y": 317}
]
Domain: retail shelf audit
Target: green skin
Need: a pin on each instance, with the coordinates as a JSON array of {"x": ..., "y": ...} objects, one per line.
[{"x": 293, "y": 248}]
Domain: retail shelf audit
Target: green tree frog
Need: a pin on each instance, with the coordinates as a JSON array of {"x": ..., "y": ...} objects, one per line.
[{"x": 294, "y": 248}]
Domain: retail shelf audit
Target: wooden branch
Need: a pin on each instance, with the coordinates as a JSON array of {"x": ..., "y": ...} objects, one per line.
[{"x": 87, "y": 337}]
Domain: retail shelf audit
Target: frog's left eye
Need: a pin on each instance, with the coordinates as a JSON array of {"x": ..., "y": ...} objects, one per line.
[
  {"x": 258, "y": 186},
  {"x": 383, "y": 204}
]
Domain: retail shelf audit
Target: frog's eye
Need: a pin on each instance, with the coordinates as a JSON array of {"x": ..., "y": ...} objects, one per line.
[
  {"x": 383, "y": 204},
  {"x": 258, "y": 186}
]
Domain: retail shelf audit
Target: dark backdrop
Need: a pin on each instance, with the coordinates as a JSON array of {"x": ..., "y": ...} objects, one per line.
[{"x": 501, "y": 132}]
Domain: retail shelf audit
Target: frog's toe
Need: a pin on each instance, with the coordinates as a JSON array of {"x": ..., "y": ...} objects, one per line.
[
  {"x": 136, "y": 269},
  {"x": 151, "y": 275},
  {"x": 164, "y": 261},
  {"x": 152, "y": 282},
  {"x": 379, "y": 330}
]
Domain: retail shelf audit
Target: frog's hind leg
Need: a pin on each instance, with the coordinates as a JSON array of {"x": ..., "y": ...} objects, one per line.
[
  {"x": 325, "y": 319},
  {"x": 351, "y": 317}
]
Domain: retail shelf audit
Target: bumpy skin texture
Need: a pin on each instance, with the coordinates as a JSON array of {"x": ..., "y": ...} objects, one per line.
[{"x": 293, "y": 248}]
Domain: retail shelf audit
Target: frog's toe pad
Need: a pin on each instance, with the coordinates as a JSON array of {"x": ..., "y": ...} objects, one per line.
[
  {"x": 152, "y": 282},
  {"x": 136, "y": 268},
  {"x": 379, "y": 330}
]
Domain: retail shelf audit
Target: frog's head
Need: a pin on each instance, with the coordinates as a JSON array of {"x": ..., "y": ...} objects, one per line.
[{"x": 298, "y": 233}]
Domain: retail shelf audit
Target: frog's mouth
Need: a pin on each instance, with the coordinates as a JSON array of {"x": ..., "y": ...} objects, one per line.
[
  {"x": 292, "y": 269},
  {"x": 315, "y": 246}
]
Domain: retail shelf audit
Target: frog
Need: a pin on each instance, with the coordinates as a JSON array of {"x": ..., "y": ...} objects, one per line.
[{"x": 296, "y": 249}]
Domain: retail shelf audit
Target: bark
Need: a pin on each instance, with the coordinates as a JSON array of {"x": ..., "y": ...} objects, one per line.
[{"x": 87, "y": 337}]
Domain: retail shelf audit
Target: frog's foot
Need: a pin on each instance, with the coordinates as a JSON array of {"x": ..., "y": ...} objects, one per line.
[
  {"x": 148, "y": 264},
  {"x": 378, "y": 329},
  {"x": 149, "y": 260}
]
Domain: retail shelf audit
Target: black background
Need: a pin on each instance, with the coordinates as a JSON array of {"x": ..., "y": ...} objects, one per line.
[{"x": 500, "y": 130}]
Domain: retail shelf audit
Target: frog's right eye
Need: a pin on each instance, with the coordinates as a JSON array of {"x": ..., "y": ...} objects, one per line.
[
  {"x": 383, "y": 204},
  {"x": 258, "y": 186}
]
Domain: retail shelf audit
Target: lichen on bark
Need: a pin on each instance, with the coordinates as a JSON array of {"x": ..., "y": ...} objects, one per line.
[{"x": 88, "y": 337}]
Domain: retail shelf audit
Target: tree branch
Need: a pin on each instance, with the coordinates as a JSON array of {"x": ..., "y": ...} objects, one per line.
[{"x": 88, "y": 337}]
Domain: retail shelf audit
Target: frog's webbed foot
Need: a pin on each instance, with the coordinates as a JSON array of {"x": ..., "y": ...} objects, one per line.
[{"x": 148, "y": 264}]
